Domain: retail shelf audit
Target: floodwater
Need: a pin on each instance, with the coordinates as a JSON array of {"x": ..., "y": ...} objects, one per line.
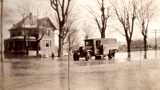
[{"x": 52, "y": 74}]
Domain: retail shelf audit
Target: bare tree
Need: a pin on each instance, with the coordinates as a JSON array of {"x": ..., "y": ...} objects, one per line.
[
  {"x": 73, "y": 39},
  {"x": 102, "y": 20},
  {"x": 62, "y": 10},
  {"x": 126, "y": 16},
  {"x": 145, "y": 14},
  {"x": 39, "y": 38},
  {"x": 25, "y": 12},
  {"x": 41, "y": 31}
]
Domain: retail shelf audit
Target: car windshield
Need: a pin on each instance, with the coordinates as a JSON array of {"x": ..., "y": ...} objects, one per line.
[{"x": 89, "y": 42}]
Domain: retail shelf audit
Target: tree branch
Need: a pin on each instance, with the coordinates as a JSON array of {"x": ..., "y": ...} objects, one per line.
[
  {"x": 39, "y": 39},
  {"x": 53, "y": 4},
  {"x": 99, "y": 26}
]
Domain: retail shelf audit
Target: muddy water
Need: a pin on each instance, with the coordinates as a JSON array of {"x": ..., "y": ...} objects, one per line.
[{"x": 48, "y": 74}]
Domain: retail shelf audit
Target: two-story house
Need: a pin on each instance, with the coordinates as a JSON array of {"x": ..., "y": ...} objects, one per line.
[{"x": 31, "y": 36}]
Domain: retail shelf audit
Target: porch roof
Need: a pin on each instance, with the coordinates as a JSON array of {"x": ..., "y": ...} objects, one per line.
[{"x": 21, "y": 38}]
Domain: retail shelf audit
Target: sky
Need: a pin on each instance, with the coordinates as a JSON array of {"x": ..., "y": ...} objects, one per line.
[{"x": 15, "y": 9}]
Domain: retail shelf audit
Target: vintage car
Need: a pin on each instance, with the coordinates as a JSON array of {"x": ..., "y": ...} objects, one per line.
[{"x": 98, "y": 48}]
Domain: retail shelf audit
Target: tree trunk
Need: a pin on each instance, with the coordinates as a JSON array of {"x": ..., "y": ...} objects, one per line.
[
  {"x": 145, "y": 47},
  {"x": 129, "y": 48},
  {"x": 38, "y": 48},
  {"x": 103, "y": 34},
  {"x": 60, "y": 50},
  {"x": 26, "y": 45}
]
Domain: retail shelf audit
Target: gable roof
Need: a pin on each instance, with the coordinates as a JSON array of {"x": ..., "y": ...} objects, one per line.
[
  {"x": 46, "y": 22},
  {"x": 31, "y": 21}
]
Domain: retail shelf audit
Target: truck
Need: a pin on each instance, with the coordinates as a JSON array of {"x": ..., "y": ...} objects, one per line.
[{"x": 99, "y": 48}]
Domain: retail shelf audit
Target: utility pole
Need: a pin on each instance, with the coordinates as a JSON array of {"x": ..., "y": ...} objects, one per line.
[
  {"x": 155, "y": 39},
  {"x": 69, "y": 54},
  {"x": 1, "y": 27}
]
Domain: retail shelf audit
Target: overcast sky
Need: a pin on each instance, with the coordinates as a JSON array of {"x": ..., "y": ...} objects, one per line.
[{"x": 14, "y": 9}]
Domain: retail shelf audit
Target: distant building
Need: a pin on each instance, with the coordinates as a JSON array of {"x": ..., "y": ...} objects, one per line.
[
  {"x": 31, "y": 36},
  {"x": 137, "y": 45}
]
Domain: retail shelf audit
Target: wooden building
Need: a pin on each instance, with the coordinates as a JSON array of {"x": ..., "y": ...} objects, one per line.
[{"x": 31, "y": 37}]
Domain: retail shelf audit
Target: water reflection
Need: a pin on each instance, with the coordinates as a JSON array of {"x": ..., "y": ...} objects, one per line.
[
  {"x": 126, "y": 79},
  {"x": 116, "y": 74},
  {"x": 2, "y": 74}
]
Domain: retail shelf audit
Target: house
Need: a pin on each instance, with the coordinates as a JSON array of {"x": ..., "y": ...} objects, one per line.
[{"x": 31, "y": 36}]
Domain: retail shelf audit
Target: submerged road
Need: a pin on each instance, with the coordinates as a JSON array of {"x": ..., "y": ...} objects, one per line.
[{"x": 48, "y": 74}]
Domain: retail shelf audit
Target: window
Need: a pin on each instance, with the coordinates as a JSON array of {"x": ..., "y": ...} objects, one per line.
[
  {"x": 13, "y": 34},
  {"x": 19, "y": 33},
  {"x": 89, "y": 42},
  {"x": 49, "y": 32},
  {"x": 98, "y": 43},
  {"x": 47, "y": 44}
]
